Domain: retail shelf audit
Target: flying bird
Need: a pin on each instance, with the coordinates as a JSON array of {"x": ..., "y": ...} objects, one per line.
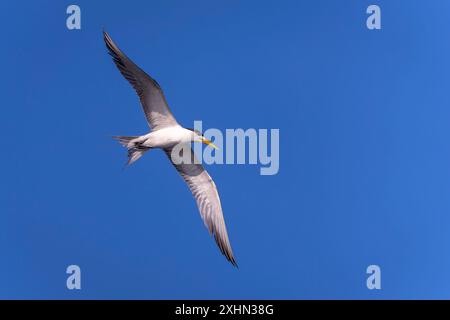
[{"x": 165, "y": 133}]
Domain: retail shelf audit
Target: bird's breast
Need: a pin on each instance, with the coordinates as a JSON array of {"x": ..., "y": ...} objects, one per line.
[{"x": 166, "y": 137}]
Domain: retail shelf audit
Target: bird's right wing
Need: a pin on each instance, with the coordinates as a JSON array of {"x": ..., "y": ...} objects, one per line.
[
  {"x": 205, "y": 193},
  {"x": 150, "y": 93}
]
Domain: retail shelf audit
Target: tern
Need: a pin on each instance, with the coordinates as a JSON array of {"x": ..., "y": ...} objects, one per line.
[{"x": 165, "y": 133}]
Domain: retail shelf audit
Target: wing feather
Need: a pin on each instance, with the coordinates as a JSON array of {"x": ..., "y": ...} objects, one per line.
[
  {"x": 205, "y": 193},
  {"x": 149, "y": 91}
]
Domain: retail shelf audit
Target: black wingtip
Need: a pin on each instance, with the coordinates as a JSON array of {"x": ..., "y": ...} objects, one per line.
[{"x": 106, "y": 37}]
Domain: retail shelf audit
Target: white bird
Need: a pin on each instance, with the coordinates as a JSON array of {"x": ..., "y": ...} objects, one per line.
[{"x": 165, "y": 134}]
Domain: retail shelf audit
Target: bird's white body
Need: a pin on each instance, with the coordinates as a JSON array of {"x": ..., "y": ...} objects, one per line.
[{"x": 166, "y": 137}]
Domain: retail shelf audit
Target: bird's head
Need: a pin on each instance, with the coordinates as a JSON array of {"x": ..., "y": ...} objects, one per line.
[{"x": 198, "y": 137}]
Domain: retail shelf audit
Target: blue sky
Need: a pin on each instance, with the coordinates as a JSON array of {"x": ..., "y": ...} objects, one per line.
[{"x": 364, "y": 154}]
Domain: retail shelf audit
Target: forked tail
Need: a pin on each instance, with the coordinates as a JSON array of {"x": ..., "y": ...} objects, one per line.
[{"x": 135, "y": 148}]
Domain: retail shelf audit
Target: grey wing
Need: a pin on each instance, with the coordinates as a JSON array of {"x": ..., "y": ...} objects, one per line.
[
  {"x": 150, "y": 93},
  {"x": 205, "y": 193}
]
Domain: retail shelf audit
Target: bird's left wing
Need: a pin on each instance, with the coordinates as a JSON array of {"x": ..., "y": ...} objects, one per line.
[
  {"x": 150, "y": 93},
  {"x": 205, "y": 193}
]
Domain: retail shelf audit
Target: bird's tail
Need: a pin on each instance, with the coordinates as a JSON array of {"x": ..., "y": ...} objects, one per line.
[{"x": 135, "y": 149}]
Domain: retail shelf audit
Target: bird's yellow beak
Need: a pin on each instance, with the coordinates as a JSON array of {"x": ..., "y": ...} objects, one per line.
[{"x": 209, "y": 143}]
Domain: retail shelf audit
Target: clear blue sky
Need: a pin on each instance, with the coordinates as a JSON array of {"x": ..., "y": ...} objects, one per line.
[{"x": 364, "y": 119}]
